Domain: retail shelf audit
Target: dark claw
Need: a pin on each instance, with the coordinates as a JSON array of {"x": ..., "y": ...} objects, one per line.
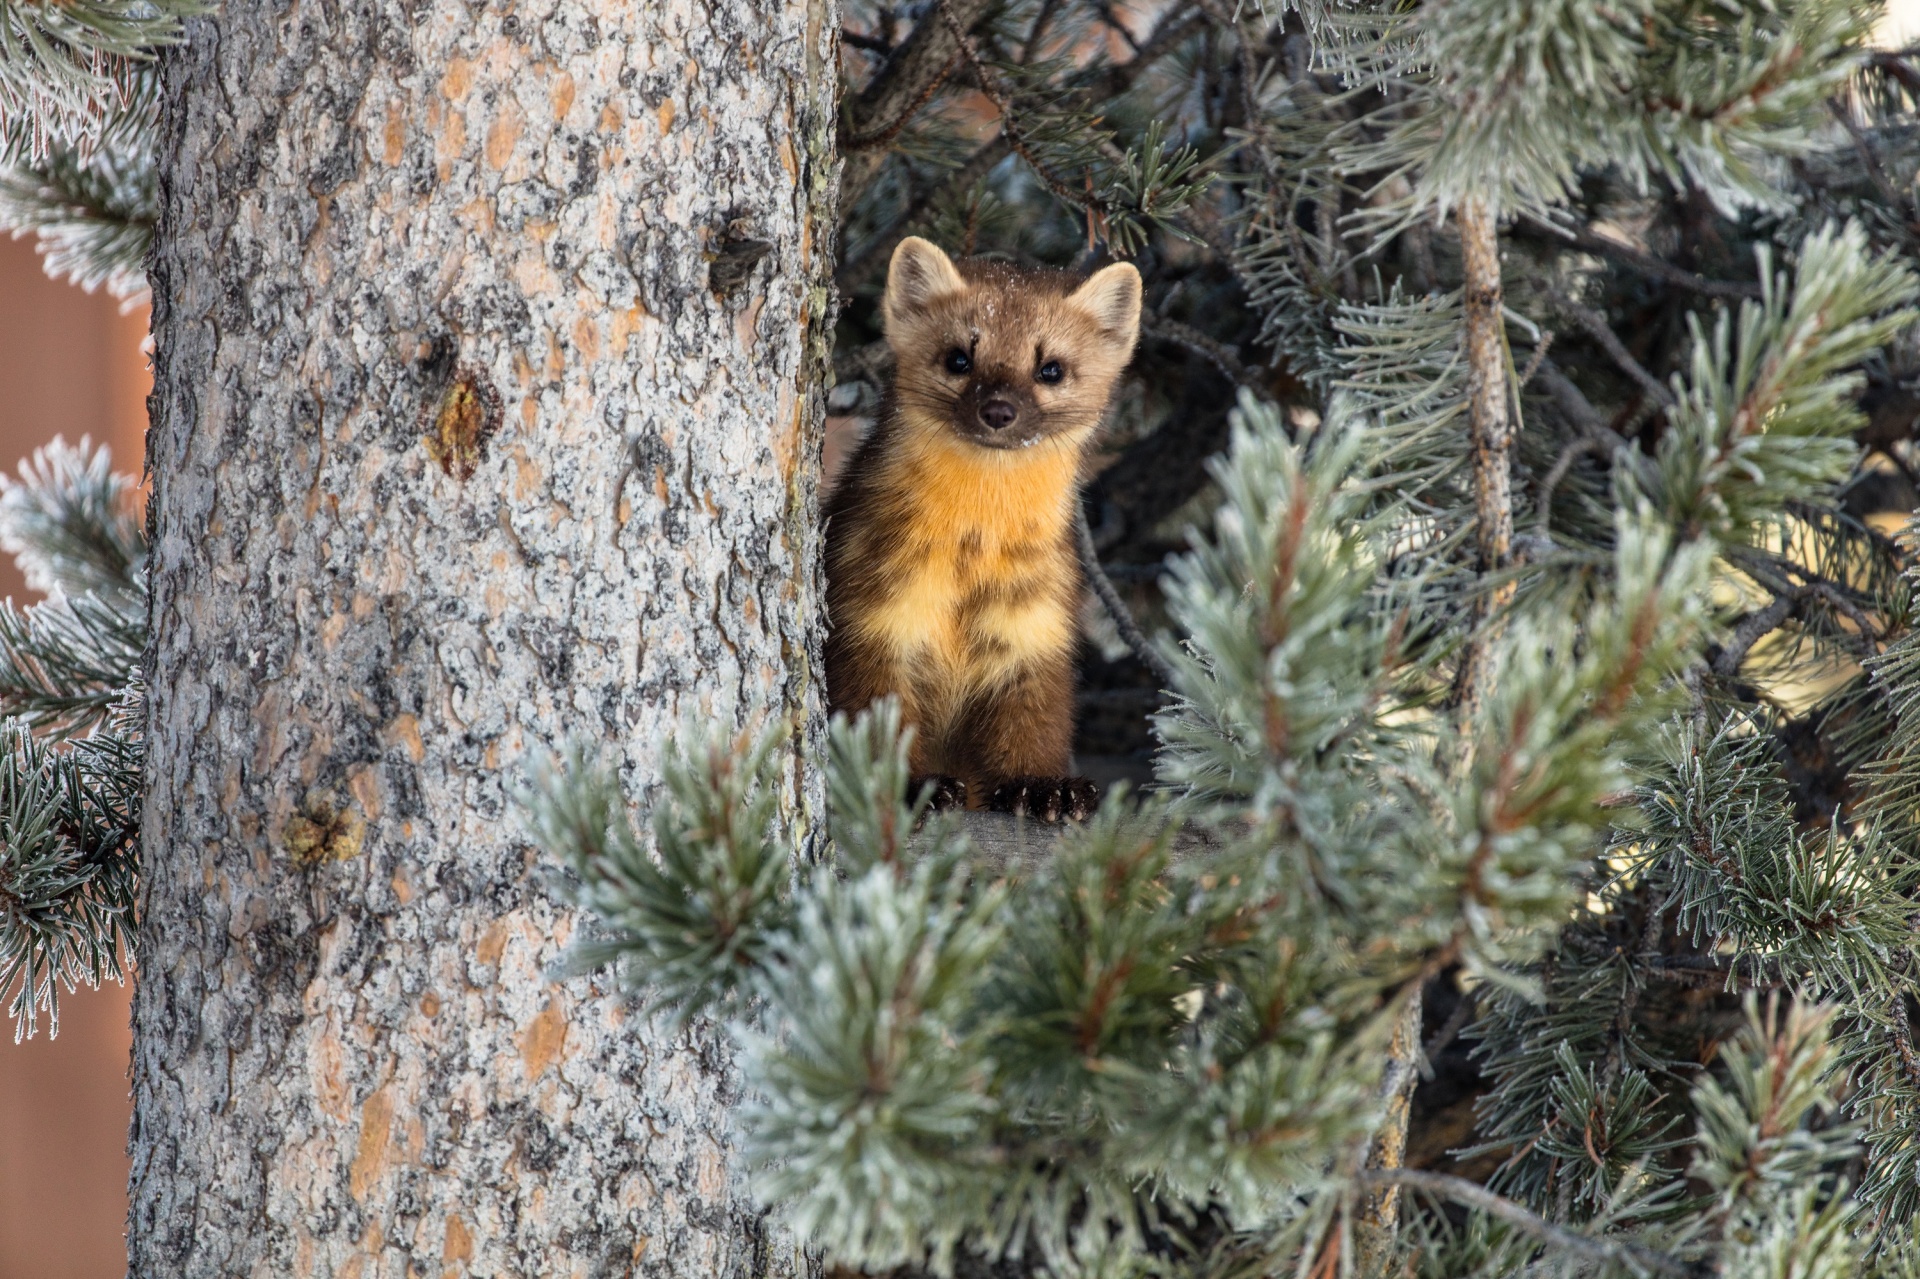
[
  {"x": 1048, "y": 799},
  {"x": 948, "y": 793}
]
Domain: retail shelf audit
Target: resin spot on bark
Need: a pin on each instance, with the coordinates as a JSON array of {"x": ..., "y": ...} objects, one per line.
[
  {"x": 466, "y": 416},
  {"x": 324, "y": 832}
]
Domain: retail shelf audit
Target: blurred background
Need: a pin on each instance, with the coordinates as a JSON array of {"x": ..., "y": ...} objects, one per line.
[{"x": 70, "y": 364}]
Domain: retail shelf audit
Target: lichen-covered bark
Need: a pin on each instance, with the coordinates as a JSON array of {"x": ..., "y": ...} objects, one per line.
[{"x": 458, "y": 455}]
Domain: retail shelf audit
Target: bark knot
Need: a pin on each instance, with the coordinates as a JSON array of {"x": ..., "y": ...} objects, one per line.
[
  {"x": 738, "y": 251},
  {"x": 461, "y": 422},
  {"x": 323, "y": 831}
]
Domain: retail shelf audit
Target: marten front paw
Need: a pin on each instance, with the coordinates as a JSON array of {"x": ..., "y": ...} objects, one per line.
[
  {"x": 1050, "y": 799},
  {"x": 948, "y": 793}
]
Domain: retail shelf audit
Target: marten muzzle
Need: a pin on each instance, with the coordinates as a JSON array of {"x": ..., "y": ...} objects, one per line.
[{"x": 994, "y": 414}]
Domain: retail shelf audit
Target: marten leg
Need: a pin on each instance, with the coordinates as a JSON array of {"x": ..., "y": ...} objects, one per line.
[
  {"x": 857, "y": 677},
  {"x": 1018, "y": 741}
]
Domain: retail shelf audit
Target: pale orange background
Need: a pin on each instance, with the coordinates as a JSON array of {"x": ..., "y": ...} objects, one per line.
[{"x": 70, "y": 364}]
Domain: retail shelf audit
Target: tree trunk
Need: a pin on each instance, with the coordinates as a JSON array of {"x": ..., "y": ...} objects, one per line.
[{"x": 486, "y": 417}]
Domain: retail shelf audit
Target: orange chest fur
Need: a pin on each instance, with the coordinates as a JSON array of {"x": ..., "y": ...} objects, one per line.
[{"x": 978, "y": 567}]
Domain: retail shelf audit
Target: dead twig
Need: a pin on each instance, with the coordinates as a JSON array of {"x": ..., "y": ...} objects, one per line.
[
  {"x": 1636, "y": 1257},
  {"x": 1645, "y": 263}
]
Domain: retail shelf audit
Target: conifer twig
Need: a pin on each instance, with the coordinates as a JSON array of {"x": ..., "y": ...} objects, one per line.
[
  {"x": 1645, "y": 263},
  {"x": 1472, "y": 1194},
  {"x": 1550, "y": 482},
  {"x": 1010, "y": 127},
  {"x": 1219, "y": 354},
  {"x": 900, "y": 88},
  {"x": 1103, "y": 82},
  {"x": 1903, "y": 1038},
  {"x": 1876, "y": 172},
  {"x": 1751, "y": 629},
  {"x": 1596, "y": 327},
  {"x": 1115, "y": 606},
  {"x": 1488, "y": 408}
]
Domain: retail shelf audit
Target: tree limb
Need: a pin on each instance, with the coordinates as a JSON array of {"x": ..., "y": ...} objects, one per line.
[
  {"x": 1574, "y": 450},
  {"x": 1596, "y": 327},
  {"x": 1752, "y": 627},
  {"x": 1903, "y": 1039},
  {"x": 1895, "y": 66},
  {"x": 1871, "y": 160},
  {"x": 1488, "y": 404},
  {"x": 1115, "y": 606},
  {"x": 1569, "y": 399},
  {"x": 1751, "y": 975},
  {"x": 899, "y": 89},
  {"x": 1471, "y": 1194},
  {"x": 1627, "y": 255},
  {"x": 1105, "y": 83},
  {"x": 1219, "y": 354}
]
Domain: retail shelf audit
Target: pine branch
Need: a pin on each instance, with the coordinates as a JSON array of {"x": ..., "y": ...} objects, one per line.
[
  {"x": 1218, "y": 354},
  {"x": 1633, "y": 1257},
  {"x": 1489, "y": 404},
  {"x": 67, "y": 70},
  {"x": 1596, "y": 327},
  {"x": 1102, "y": 82},
  {"x": 1582, "y": 237},
  {"x": 1117, "y": 610},
  {"x": 908, "y": 81}
]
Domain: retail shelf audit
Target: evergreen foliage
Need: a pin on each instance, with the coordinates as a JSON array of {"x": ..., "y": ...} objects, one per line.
[
  {"x": 78, "y": 105},
  {"x": 1546, "y": 668},
  {"x": 70, "y": 741},
  {"x": 1630, "y": 783}
]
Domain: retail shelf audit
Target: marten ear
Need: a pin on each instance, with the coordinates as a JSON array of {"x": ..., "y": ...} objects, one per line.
[
  {"x": 918, "y": 274},
  {"x": 1111, "y": 296}
]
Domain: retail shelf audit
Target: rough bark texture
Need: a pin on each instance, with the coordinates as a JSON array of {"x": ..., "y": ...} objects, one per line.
[
  {"x": 482, "y": 422},
  {"x": 1489, "y": 408}
]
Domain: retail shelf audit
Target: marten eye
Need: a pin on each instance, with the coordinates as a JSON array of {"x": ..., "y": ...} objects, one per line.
[
  {"x": 958, "y": 361},
  {"x": 1051, "y": 372}
]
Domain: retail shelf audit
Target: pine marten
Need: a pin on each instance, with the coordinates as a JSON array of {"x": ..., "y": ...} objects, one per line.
[{"x": 953, "y": 581}]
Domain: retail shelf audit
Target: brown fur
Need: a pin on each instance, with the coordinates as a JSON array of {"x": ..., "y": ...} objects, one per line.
[{"x": 952, "y": 577}]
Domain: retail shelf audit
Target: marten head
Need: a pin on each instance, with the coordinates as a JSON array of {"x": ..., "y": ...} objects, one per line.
[{"x": 1004, "y": 357}]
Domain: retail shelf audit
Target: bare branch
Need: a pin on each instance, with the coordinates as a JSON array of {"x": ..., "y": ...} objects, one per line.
[
  {"x": 1451, "y": 1028},
  {"x": 1115, "y": 606},
  {"x": 1010, "y": 127},
  {"x": 1895, "y": 66},
  {"x": 1575, "y": 449},
  {"x": 1538, "y": 357},
  {"x": 1752, "y": 627},
  {"x": 901, "y": 88},
  {"x": 1570, "y": 400},
  {"x": 1752, "y": 974},
  {"x": 1488, "y": 408},
  {"x": 1596, "y": 327},
  {"x": 883, "y": 135},
  {"x": 1219, "y": 354},
  {"x": 1104, "y": 82},
  {"x": 1871, "y": 161},
  {"x": 1038, "y": 31},
  {"x": 861, "y": 40},
  {"x": 1641, "y": 1260},
  {"x": 875, "y": 251},
  {"x": 1903, "y": 1039},
  {"x": 1176, "y": 26},
  {"x": 1645, "y": 263}
]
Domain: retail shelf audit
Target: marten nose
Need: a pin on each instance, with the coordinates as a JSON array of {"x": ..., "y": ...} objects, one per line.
[{"x": 998, "y": 414}]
